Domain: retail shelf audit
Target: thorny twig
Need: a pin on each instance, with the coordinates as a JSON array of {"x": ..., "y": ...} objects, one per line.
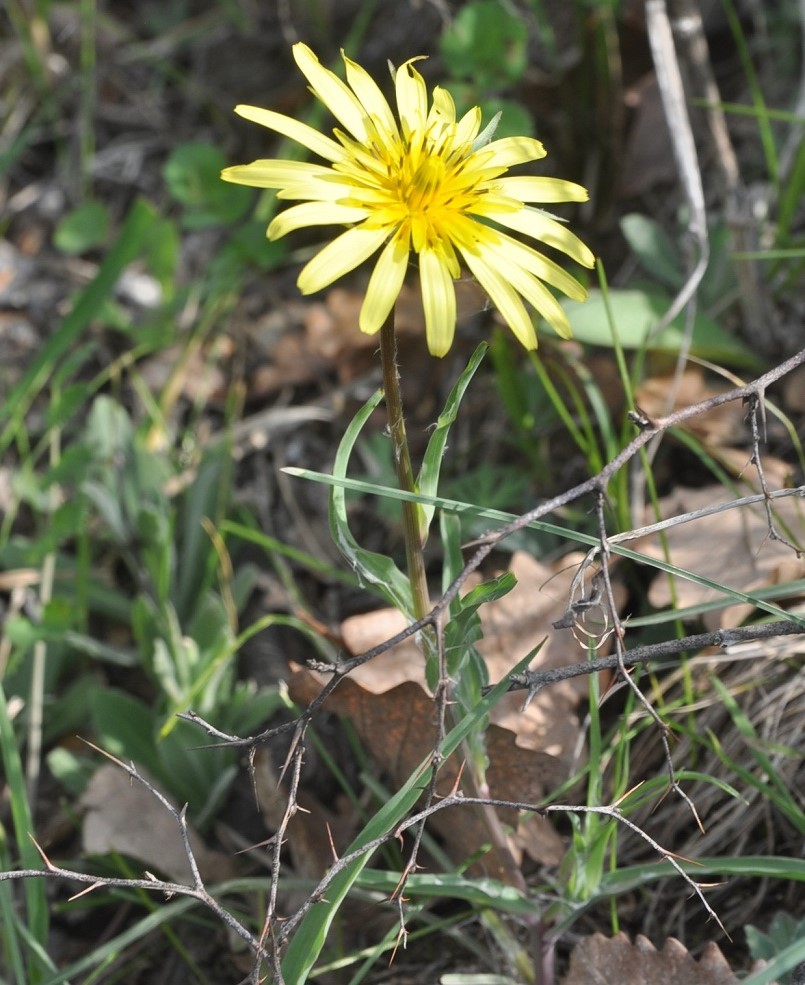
[
  {"x": 276, "y": 933},
  {"x": 756, "y": 409},
  {"x": 649, "y": 429},
  {"x": 197, "y": 890}
]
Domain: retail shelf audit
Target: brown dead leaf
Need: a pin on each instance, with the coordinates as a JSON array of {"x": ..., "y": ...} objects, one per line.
[
  {"x": 732, "y": 548},
  {"x": 530, "y": 750},
  {"x": 398, "y": 729},
  {"x": 122, "y": 816},
  {"x": 598, "y": 960},
  {"x": 332, "y": 327},
  {"x": 794, "y": 391},
  {"x": 723, "y": 430}
]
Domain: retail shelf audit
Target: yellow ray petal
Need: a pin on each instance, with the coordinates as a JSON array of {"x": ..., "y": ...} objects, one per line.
[
  {"x": 288, "y": 127},
  {"x": 274, "y": 174},
  {"x": 371, "y": 98},
  {"x": 540, "y": 298},
  {"x": 335, "y": 94},
  {"x": 468, "y": 126},
  {"x": 536, "y": 224},
  {"x": 412, "y": 98},
  {"x": 384, "y": 285},
  {"x": 314, "y": 214},
  {"x": 513, "y": 251},
  {"x": 438, "y": 301},
  {"x": 509, "y": 151},
  {"x": 505, "y": 298},
  {"x": 338, "y": 257},
  {"x": 529, "y": 188}
]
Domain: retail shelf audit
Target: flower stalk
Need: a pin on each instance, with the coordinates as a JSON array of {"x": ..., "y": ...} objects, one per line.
[{"x": 412, "y": 515}]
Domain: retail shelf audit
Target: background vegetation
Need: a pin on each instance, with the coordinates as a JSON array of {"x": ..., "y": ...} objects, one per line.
[{"x": 158, "y": 370}]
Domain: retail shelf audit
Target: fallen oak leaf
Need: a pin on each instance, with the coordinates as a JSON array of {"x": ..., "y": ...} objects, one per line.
[
  {"x": 530, "y": 750},
  {"x": 397, "y": 727},
  {"x": 733, "y": 547},
  {"x": 125, "y": 817},
  {"x": 598, "y": 960}
]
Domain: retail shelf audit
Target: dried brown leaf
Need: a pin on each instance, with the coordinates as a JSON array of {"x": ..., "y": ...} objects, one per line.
[
  {"x": 530, "y": 751},
  {"x": 123, "y": 816},
  {"x": 732, "y": 547},
  {"x": 722, "y": 425},
  {"x": 598, "y": 960}
]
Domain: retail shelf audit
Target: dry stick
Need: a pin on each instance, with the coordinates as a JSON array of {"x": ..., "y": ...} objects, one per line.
[
  {"x": 456, "y": 799},
  {"x": 649, "y": 429},
  {"x": 757, "y": 408},
  {"x": 619, "y": 635},
  {"x": 197, "y": 890},
  {"x": 760, "y": 329},
  {"x": 534, "y": 681},
  {"x": 294, "y": 762},
  {"x": 674, "y": 103}
]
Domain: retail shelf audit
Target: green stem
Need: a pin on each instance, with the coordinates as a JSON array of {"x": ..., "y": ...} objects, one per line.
[{"x": 405, "y": 474}]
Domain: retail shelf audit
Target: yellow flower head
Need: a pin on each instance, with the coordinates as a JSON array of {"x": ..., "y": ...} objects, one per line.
[{"x": 425, "y": 183}]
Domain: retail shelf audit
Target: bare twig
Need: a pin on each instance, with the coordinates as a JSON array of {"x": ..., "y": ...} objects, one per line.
[
  {"x": 197, "y": 890},
  {"x": 276, "y": 932},
  {"x": 534, "y": 681}
]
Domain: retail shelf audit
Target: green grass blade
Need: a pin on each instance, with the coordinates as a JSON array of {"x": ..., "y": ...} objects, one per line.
[
  {"x": 456, "y": 506},
  {"x": 35, "y": 897}
]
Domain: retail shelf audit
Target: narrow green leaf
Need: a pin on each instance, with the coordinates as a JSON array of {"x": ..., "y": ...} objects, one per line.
[
  {"x": 428, "y": 479},
  {"x": 372, "y": 568},
  {"x": 35, "y": 896},
  {"x": 455, "y": 506}
]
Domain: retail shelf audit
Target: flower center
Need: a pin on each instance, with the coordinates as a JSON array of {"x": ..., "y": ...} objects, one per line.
[{"x": 420, "y": 183}]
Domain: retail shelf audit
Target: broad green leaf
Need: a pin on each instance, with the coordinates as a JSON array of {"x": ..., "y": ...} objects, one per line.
[
  {"x": 486, "y": 42},
  {"x": 83, "y": 228},
  {"x": 124, "y": 727},
  {"x": 637, "y": 313},
  {"x": 192, "y": 174},
  {"x": 790, "y": 957}
]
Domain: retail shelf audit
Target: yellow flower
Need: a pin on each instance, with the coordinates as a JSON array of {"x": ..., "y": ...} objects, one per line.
[{"x": 422, "y": 183}]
